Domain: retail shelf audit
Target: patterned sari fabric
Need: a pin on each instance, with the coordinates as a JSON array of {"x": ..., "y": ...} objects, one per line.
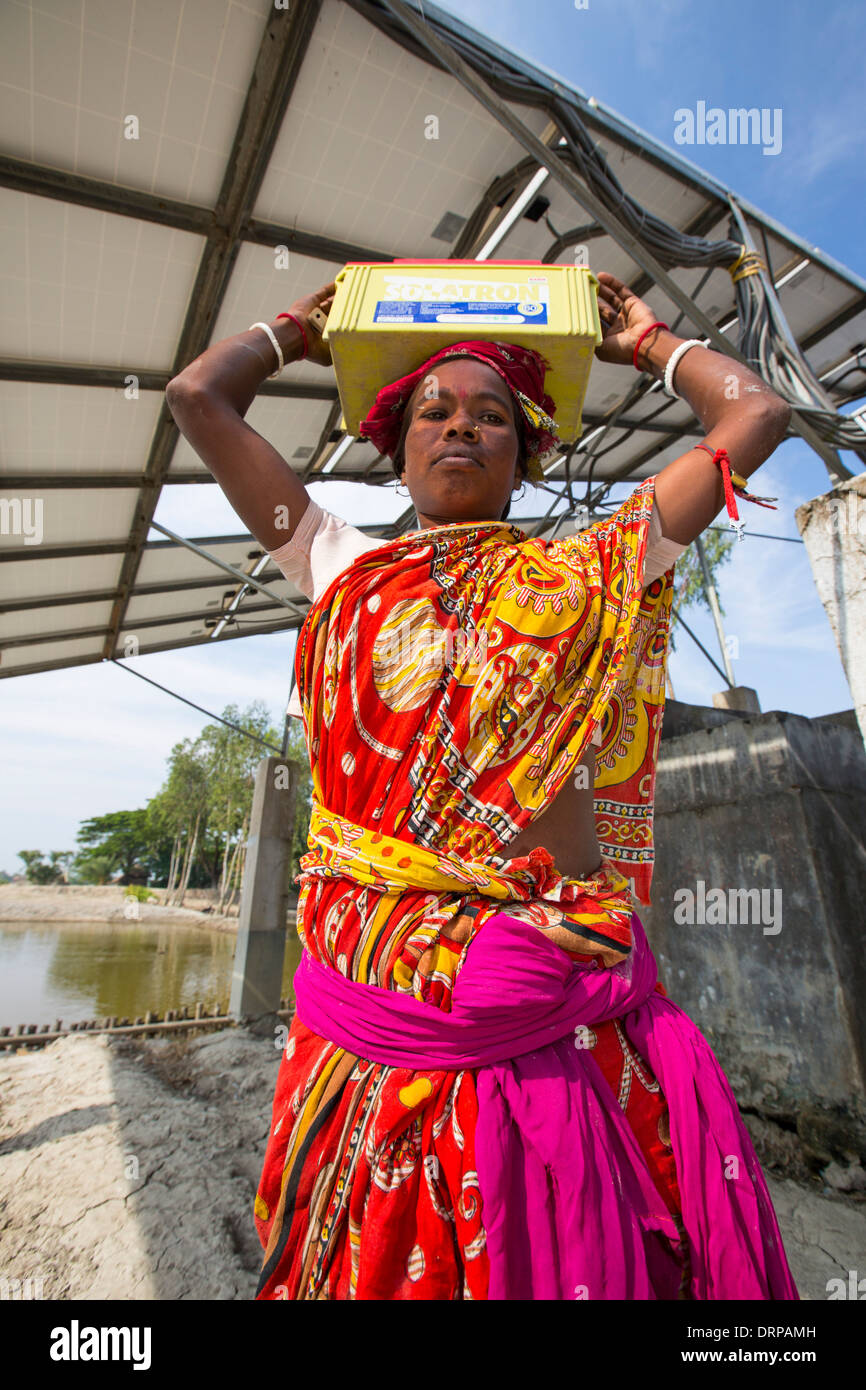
[{"x": 450, "y": 683}]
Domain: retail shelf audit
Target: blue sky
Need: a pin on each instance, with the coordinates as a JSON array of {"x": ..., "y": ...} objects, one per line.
[{"x": 90, "y": 740}]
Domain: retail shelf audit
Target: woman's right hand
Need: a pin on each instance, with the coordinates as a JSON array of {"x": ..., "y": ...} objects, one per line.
[{"x": 317, "y": 349}]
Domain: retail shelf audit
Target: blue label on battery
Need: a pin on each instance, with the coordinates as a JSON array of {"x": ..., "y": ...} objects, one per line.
[{"x": 460, "y": 311}]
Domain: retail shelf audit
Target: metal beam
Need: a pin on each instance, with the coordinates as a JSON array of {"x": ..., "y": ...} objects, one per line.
[
  {"x": 80, "y": 633},
  {"x": 78, "y": 548},
  {"x": 243, "y": 579},
  {"x": 284, "y": 43},
  {"x": 332, "y": 422},
  {"x": 850, "y": 311},
  {"x": 58, "y": 374},
  {"x": 24, "y": 605},
  {"x": 71, "y": 482},
  {"x": 75, "y": 549},
  {"x": 103, "y": 196},
  {"x": 313, "y": 244},
  {"x": 34, "y": 668}
]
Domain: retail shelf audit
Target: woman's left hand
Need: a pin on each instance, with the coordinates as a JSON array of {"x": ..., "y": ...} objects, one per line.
[{"x": 623, "y": 318}]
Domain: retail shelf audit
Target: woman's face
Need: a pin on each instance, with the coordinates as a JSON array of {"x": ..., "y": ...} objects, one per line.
[{"x": 461, "y": 446}]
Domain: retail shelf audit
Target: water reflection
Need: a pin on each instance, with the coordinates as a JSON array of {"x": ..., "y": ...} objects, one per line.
[{"x": 79, "y": 970}]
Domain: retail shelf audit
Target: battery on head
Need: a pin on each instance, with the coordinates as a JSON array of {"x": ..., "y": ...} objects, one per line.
[{"x": 387, "y": 319}]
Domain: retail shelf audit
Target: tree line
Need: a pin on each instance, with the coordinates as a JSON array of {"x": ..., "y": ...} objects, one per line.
[{"x": 193, "y": 832}]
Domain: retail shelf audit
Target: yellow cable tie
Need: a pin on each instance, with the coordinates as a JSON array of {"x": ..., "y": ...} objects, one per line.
[
  {"x": 753, "y": 266},
  {"x": 741, "y": 256}
]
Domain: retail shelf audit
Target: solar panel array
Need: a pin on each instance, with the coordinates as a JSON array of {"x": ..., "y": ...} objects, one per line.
[{"x": 153, "y": 159}]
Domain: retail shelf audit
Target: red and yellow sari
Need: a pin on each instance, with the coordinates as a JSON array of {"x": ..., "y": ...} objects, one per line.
[{"x": 450, "y": 682}]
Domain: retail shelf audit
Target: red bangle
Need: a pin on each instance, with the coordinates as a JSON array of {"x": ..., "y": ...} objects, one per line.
[
  {"x": 300, "y": 328},
  {"x": 641, "y": 338}
]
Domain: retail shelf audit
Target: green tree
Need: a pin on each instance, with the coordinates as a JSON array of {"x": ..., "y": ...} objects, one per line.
[
  {"x": 61, "y": 860},
  {"x": 182, "y": 807},
  {"x": 120, "y": 836},
  {"x": 95, "y": 869},
  {"x": 204, "y": 806},
  {"x": 36, "y": 870},
  {"x": 233, "y": 760}
]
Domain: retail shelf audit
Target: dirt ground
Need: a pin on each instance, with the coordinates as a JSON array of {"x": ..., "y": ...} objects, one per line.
[{"x": 128, "y": 1170}]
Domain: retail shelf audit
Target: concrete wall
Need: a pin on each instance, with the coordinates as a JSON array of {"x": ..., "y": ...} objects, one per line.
[
  {"x": 833, "y": 527},
  {"x": 776, "y": 803}
]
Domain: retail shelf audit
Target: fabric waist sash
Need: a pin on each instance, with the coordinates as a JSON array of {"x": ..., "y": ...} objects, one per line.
[
  {"x": 516, "y": 992},
  {"x": 569, "y": 1205}
]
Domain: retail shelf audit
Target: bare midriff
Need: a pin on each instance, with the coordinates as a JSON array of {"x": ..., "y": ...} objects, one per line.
[{"x": 566, "y": 828}]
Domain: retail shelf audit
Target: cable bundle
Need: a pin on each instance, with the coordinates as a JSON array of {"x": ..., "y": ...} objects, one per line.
[{"x": 763, "y": 335}]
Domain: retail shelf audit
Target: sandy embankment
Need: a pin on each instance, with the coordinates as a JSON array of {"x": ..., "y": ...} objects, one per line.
[{"x": 61, "y": 902}]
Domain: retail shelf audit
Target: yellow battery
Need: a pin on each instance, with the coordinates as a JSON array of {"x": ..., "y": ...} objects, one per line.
[{"x": 388, "y": 318}]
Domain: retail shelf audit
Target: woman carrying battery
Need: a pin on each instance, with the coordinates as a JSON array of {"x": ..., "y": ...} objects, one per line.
[{"x": 486, "y": 1092}]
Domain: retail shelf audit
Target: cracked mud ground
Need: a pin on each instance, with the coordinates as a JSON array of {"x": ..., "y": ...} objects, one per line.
[{"x": 128, "y": 1170}]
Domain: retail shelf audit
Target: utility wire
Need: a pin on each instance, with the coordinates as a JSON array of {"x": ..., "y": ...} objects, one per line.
[
  {"x": 229, "y": 725},
  {"x": 678, "y": 619}
]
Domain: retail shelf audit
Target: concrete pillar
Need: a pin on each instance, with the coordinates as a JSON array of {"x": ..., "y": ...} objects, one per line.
[
  {"x": 261, "y": 943},
  {"x": 740, "y": 697},
  {"x": 833, "y": 527}
]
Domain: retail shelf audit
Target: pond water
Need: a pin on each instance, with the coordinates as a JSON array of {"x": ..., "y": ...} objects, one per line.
[{"x": 81, "y": 970}]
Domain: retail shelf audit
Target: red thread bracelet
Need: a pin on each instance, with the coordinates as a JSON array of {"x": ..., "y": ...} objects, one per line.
[
  {"x": 641, "y": 338},
  {"x": 300, "y": 328},
  {"x": 722, "y": 459}
]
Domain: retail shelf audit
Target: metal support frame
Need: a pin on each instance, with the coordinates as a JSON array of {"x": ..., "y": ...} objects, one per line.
[
  {"x": 715, "y": 608},
  {"x": 237, "y": 574},
  {"x": 230, "y": 223},
  {"x": 453, "y": 63}
]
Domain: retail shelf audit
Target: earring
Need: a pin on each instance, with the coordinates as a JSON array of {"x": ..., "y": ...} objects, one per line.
[
  {"x": 521, "y": 492},
  {"x": 399, "y": 493}
]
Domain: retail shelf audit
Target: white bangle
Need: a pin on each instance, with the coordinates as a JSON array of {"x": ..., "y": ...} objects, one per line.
[
  {"x": 672, "y": 364},
  {"x": 277, "y": 348}
]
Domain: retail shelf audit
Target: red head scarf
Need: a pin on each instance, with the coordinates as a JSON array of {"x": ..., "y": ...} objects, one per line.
[{"x": 521, "y": 369}]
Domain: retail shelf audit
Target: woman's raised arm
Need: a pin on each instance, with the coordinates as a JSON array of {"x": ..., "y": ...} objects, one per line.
[
  {"x": 209, "y": 399},
  {"x": 738, "y": 411}
]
